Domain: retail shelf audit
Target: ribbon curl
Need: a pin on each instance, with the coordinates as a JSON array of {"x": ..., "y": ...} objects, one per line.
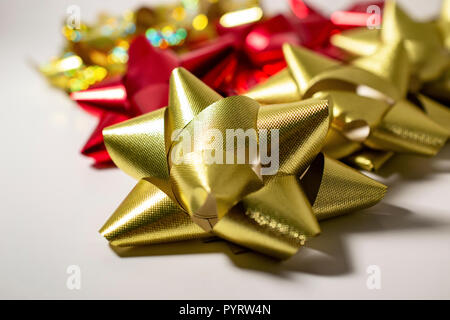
[
  {"x": 373, "y": 115},
  {"x": 191, "y": 199}
]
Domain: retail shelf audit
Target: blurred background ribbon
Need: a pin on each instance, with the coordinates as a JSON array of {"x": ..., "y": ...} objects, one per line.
[{"x": 230, "y": 45}]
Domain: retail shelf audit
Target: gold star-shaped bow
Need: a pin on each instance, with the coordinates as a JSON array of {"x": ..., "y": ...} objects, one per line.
[
  {"x": 367, "y": 127},
  {"x": 423, "y": 41},
  {"x": 195, "y": 198}
]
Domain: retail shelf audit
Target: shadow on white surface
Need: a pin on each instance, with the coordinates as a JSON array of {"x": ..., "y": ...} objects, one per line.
[
  {"x": 410, "y": 167},
  {"x": 325, "y": 255},
  {"x": 328, "y": 254}
]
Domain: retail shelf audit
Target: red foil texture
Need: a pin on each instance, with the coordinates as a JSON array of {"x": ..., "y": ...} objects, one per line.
[{"x": 257, "y": 47}]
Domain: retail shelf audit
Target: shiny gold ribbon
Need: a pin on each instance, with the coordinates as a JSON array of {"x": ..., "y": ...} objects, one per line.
[
  {"x": 427, "y": 43},
  {"x": 191, "y": 199},
  {"x": 427, "y": 46},
  {"x": 372, "y": 117}
]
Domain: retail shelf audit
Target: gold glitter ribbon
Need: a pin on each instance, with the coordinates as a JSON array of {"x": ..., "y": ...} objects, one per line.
[
  {"x": 194, "y": 198},
  {"x": 373, "y": 115}
]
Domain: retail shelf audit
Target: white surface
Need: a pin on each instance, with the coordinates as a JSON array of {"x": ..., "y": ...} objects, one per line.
[{"x": 53, "y": 203}]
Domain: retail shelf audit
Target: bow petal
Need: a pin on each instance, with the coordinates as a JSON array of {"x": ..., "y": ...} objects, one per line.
[
  {"x": 304, "y": 65},
  {"x": 335, "y": 189},
  {"x": 436, "y": 111},
  {"x": 275, "y": 220},
  {"x": 389, "y": 62},
  {"x": 188, "y": 96},
  {"x": 359, "y": 42},
  {"x": 149, "y": 216},
  {"x": 280, "y": 88},
  {"x": 414, "y": 133},
  {"x": 303, "y": 127},
  {"x": 136, "y": 143},
  {"x": 180, "y": 187}
]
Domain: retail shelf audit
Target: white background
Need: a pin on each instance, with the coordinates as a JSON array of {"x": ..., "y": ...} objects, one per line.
[{"x": 52, "y": 203}]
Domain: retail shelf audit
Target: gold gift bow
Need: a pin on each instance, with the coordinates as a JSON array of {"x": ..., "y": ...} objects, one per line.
[
  {"x": 270, "y": 214},
  {"x": 364, "y": 131},
  {"x": 427, "y": 45}
]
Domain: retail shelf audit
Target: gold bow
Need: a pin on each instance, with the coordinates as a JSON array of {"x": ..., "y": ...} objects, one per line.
[
  {"x": 194, "y": 198},
  {"x": 426, "y": 43},
  {"x": 367, "y": 127}
]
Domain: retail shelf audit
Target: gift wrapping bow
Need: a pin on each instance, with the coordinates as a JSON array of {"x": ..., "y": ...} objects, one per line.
[
  {"x": 195, "y": 198},
  {"x": 373, "y": 116},
  {"x": 427, "y": 45}
]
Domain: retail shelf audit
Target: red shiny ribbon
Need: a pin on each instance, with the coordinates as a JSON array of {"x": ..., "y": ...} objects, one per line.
[{"x": 237, "y": 60}]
